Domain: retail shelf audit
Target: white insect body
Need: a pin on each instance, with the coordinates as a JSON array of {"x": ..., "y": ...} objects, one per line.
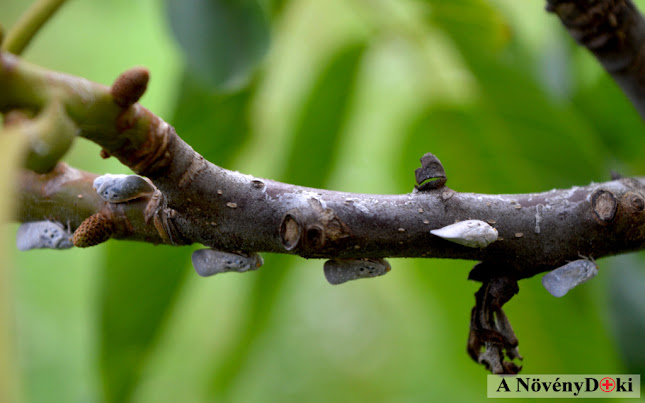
[
  {"x": 43, "y": 235},
  {"x": 208, "y": 262},
  {"x": 471, "y": 233},
  {"x": 119, "y": 188},
  {"x": 338, "y": 271},
  {"x": 563, "y": 279}
]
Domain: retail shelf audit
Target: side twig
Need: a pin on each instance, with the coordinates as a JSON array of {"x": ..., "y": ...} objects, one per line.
[{"x": 19, "y": 37}]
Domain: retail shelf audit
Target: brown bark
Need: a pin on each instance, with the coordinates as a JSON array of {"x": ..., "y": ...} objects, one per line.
[
  {"x": 199, "y": 202},
  {"x": 234, "y": 212}
]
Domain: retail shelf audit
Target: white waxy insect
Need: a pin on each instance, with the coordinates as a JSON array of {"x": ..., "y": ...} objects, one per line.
[
  {"x": 43, "y": 235},
  {"x": 559, "y": 281},
  {"x": 119, "y": 188},
  {"x": 339, "y": 271},
  {"x": 208, "y": 262},
  {"x": 471, "y": 233}
]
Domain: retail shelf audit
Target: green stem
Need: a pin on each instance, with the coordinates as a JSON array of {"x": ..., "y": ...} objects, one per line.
[{"x": 29, "y": 24}]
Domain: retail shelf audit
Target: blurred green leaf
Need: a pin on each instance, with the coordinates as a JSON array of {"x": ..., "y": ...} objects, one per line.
[
  {"x": 223, "y": 40},
  {"x": 14, "y": 147},
  {"x": 266, "y": 287},
  {"x": 627, "y": 309},
  {"x": 216, "y": 125},
  {"x": 521, "y": 138},
  {"x": 477, "y": 27},
  {"x": 318, "y": 128},
  {"x": 140, "y": 282},
  {"x": 614, "y": 119},
  {"x": 483, "y": 151},
  {"x": 310, "y": 162},
  {"x": 274, "y": 7}
]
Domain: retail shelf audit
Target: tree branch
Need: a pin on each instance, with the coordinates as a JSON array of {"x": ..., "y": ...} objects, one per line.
[
  {"x": 190, "y": 200},
  {"x": 198, "y": 202},
  {"x": 546, "y": 229},
  {"x": 614, "y": 31}
]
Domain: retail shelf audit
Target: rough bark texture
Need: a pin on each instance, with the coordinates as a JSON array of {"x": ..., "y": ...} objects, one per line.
[
  {"x": 235, "y": 212},
  {"x": 198, "y": 201}
]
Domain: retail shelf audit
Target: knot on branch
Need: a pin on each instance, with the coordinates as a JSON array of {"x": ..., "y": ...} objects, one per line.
[
  {"x": 604, "y": 205},
  {"x": 290, "y": 230},
  {"x": 431, "y": 171},
  {"x": 633, "y": 202},
  {"x": 312, "y": 231}
]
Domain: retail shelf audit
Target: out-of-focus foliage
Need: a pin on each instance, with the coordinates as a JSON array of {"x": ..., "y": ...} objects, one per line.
[
  {"x": 626, "y": 310},
  {"x": 9, "y": 389},
  {"x": 223, "y": 40},
  {"x": 349, "y": 96}
]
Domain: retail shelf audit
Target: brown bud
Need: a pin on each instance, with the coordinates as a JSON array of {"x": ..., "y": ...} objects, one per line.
[
  {"x": 94, "y": 230},
  {"x": 130, "y": 86}
]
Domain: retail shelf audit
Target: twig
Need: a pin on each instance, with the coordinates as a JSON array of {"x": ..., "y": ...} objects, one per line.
[
  {"x": 538, "y": 232},
  {"x": 198, "y": 202},
  {"x": 29, "y": 24}
]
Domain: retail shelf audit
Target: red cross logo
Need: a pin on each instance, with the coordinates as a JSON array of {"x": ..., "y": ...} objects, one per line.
[{"x": 607, "y": 384}]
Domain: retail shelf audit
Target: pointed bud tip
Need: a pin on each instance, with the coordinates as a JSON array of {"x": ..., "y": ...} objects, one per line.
[{"x": 128, "y": 88}]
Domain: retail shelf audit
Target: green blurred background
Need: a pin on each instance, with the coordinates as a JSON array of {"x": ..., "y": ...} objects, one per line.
[{"x": 345, "y": 95}]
